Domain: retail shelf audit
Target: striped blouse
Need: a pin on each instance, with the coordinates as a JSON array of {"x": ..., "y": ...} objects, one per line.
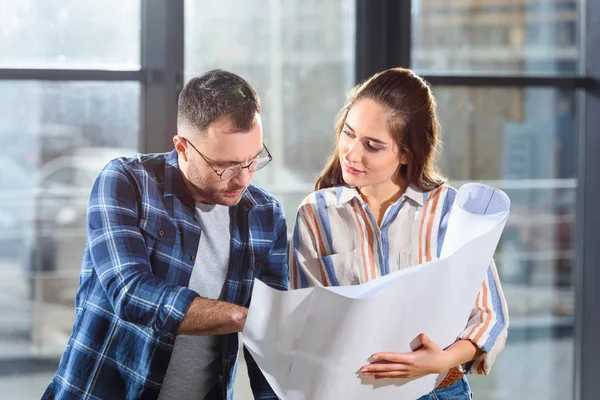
[{"x": 362, "y": 251}]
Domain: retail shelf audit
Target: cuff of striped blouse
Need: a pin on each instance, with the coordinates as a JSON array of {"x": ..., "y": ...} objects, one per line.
[
  {"x": 482, "y": 365},
  {"x": 488, "y": 324}
]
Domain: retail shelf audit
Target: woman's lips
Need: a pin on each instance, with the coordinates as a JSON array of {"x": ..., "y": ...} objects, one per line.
[{"x": 352, "y": 171}]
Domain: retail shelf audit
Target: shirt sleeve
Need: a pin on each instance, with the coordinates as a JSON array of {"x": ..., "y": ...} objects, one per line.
[
  {"x": 275, "y": 274},
  {"x": 120, "y": 257},
  {"x": 488, "y": 324},
  {"x": 487, "y": 327},
  {"x": 303, "y": 247}
]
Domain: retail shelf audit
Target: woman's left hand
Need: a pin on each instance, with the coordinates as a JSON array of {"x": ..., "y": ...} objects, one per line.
[{"x": 428, "y": 359}]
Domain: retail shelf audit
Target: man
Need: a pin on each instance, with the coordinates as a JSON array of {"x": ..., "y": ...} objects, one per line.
[{"x": 174, "y": 243}]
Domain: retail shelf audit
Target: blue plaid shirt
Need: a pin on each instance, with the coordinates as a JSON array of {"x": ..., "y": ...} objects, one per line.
[{"x": 140, "y": 252}]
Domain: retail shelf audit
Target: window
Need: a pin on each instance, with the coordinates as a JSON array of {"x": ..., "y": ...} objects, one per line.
[
  {"x": 300, "y": 59},
  {"x": 70, "y": 34},
  {"x": 524, "y": 141},
  {"x": 51, "y": 135},
  {"x": 62, "y": 177},
  {"x": 301, "y": 62},
  {"x": 492, "y": 31}
]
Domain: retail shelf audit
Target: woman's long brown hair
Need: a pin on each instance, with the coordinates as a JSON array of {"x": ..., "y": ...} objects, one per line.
[{"x": 412, "y": 123}]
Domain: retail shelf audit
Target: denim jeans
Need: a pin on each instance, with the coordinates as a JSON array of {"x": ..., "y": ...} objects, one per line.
[{"x": 459, "y": 390}]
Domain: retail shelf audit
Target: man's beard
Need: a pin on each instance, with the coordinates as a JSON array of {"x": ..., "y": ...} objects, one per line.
[
  {"x": 214, "y": 196},
  {"x": 228, "y": 201}
]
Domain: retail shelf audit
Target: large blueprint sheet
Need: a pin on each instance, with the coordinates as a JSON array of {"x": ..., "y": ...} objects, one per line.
[{"x": 310, "y": 343}]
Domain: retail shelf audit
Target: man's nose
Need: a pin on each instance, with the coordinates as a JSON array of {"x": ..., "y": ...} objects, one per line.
[{"x": 243, "y": 178}]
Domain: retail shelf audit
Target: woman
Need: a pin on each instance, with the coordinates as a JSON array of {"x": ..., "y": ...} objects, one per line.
[{"x": 379, "y": 206}]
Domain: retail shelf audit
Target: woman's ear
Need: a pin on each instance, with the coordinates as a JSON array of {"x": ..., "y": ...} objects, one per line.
[{"x": 404, "y": 159}]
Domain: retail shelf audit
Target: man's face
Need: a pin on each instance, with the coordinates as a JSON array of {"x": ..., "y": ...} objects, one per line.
[{"x": 222, "y": 149}]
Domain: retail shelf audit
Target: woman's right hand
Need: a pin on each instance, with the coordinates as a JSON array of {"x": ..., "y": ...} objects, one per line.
[{"x": 428, "y": 359}]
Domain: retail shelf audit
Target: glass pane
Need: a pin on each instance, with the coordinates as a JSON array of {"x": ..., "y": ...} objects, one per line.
[
  {"x": 54, "y": 139},
  {"x": 524, "y": 141},
  {"x": 70, "y": 34},
  {"x": 299, "y": 56},
  {"x": 495, "y": 36}
]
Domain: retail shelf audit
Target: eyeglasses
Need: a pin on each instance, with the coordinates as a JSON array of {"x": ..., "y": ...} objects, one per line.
[{"x": 259, "y": 162}]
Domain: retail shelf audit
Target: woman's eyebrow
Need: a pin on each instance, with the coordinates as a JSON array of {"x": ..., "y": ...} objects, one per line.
[{"x": 372, "y": 139}]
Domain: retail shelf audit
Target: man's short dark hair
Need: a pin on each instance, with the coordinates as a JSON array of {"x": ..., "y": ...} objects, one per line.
[{"x": 215, "y": 95}]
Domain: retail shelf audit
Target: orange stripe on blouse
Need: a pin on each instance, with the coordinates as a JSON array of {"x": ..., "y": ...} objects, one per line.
[
  {"x": 354, "y": 205},
  {"x": 320, "y": 244},
  {"x": 480, "y": 367},
  {"x": 370, "y": 241},
  {"x": 436, "y": 199},
  {"x": 477, "y": 305},
  {"x": 488, "y": 314},
  {"x": 423, "y": 218}
]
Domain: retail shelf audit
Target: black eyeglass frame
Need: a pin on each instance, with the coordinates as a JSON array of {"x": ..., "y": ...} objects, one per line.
[{"x": 239, "y": 167}]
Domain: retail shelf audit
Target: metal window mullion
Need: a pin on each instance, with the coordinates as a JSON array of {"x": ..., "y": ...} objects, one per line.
[
  {"x": 587, "y": 272},
  {"x": 35, "y": 74},
  {"x": 383, "y": 36},
  {"x": 563, "y": 82},
  {"x": 162, "y": 62}
]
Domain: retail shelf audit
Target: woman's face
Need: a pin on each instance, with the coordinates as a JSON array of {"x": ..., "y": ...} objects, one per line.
[{"x": 368, "y": 153}]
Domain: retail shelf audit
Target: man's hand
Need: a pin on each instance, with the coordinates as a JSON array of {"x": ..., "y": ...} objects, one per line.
[
  {"x": 428, "y": 359},
  {"x": 212, "y": 317}
]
